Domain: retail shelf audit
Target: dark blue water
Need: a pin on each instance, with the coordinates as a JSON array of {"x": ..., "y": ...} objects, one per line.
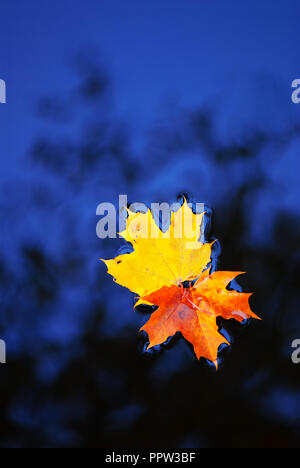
[{"x": 181, "y": 99}]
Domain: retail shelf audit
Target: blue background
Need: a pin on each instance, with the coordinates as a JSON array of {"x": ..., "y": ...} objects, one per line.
[{"x": 150, "y": 99}]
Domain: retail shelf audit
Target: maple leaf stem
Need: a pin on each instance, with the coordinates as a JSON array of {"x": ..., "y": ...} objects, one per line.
[{"x": 195, "y": 306}]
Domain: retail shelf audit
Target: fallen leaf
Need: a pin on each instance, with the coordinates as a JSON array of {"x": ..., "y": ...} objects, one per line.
[{"x": 171, "y": 270}]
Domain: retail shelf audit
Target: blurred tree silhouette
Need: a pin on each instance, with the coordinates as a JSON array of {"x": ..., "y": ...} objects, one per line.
[{"x": 75, "y": 375}]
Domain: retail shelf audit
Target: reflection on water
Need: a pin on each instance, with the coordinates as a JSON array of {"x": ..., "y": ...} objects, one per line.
[{"x": 75, "y": 375}]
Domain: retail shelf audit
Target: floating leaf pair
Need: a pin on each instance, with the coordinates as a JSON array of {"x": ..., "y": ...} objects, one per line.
[{"x": 171, "y": 270}]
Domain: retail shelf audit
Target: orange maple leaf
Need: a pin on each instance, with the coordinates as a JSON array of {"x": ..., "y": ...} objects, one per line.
[{"x": 158, "y": 269}]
